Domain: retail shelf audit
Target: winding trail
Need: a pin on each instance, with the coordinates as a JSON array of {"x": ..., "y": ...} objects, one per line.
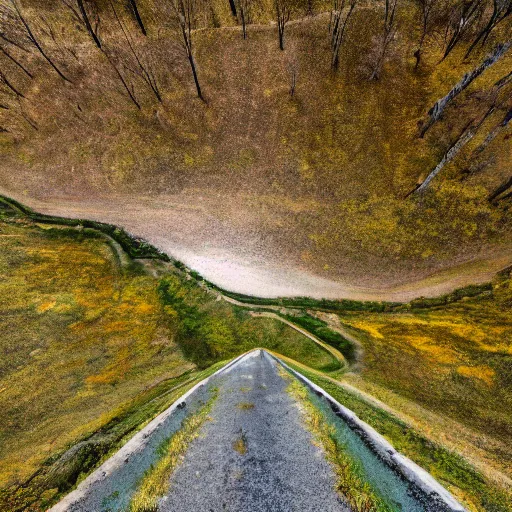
[
  {"x": 189, "y": 228},
  {"x": 333, "y": 351}
]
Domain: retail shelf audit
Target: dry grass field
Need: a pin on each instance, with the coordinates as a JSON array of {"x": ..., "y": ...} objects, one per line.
[
  {"x": 452, "y": 360},
  {"x": 316, "y": 182}
]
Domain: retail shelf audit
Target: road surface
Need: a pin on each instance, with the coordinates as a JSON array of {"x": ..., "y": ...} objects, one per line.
[{"x": 255, "y": 454}]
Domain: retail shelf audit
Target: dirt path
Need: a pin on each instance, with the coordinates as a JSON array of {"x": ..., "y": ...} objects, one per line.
[
  {"x": 227, "y": 248},
  {"x": 334, "y": 352}
]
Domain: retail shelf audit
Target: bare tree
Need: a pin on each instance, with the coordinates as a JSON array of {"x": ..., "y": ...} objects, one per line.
[
  {"x": 35, "y": 41},
  {"x": 70, "y": 4},
  {"x": 464, "y": 13},
  {"x": 142, "y": 69},
  {"x": 467, "y": 134},
  {"x": 478, "y": 166},
  {"x": 501, "y": 10},
  {"x": 9, "y": 56},
  {"x": 426, "y": 10},
  {"x": 26, "y": 117},
  {"x": 7, "y": 83},
  {"x": 127, "y": 88},
  {"x": 292, "y": 68},
  {"x": 244, "y": 8},
  {"x": 503, "y": 81},
  {"x": 233, "y": 6},
  {"x": 12, "y": 101},
  {"x": 48, "y": 30},
  {"x": 4, "y": 37},
  {"x": 111, "y": 59},
  {"x": 284, "y": 10},
  {"x": 337, "y": 27},
  {"x": 437, "y": 110},
  {"x": 138, "y": 18},
  {"x": 185, "y": 12},
  {"x": 388, "y": 33},
  {"x": 92, "y": 30},
  {"x": 12, "y": 32}
]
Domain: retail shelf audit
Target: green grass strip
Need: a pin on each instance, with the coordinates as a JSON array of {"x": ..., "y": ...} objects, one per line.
[
  {"x": 449, "y": 468},
  {"x": 350, "y": 481},
  {"x": 156, "y": 480}
]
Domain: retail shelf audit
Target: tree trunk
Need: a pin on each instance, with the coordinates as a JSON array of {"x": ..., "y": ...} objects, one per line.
[
  {"x": 35, "y": 42},
  {"x": 87, "y": 22},
  {"x": 196, "y": 79},
  {"x": 136, "y": 13},
  {"x": 6, "y": 82},
  {"x": 233, "y": 7},
  {"x": 378, "y": 64},
  {"x": 467, "y": 134},
  {"x": 281, "y": 36},
  {"x": 499, "y": 13},
  {"x": 417, "y": 53},
  {"x": 125, "y": 85},
  {"x": 338, "y": 34},
  {"x": 19, "y": 64},
  {"x": 502, "y": 188},
  {"x": 244, "y": 23}
]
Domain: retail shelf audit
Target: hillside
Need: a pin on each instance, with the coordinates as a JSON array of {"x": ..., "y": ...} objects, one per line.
[
  {"x": 312, "y": 184},
  {"x": 96, "y": 344},
  {"x": 453, "y": 360},
  {"x": 254, "y": 252}
]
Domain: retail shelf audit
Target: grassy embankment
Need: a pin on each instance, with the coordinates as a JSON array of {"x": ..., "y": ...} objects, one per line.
[
  {"x": 295, "y": 309},
  {"x": 155, "y": 482},
  {"x": 341, "y": 305},
  {"x": 94, "y": 346},
  {"x": 205, "y": 330},
  {"x": 350, "y": 482},
  {"x": 475, "y": 491},
  {"x": 453, "y": 359},
  {"x": 71, "y": 270}
]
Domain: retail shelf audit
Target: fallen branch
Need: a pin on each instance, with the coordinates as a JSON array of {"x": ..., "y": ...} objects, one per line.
[
  {"x": 467, "y": 134},
  {"x": 437, "y": 110}
]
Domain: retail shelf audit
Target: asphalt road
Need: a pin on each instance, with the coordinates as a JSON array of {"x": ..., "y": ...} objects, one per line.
[{"x": 255, "y": 454}]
